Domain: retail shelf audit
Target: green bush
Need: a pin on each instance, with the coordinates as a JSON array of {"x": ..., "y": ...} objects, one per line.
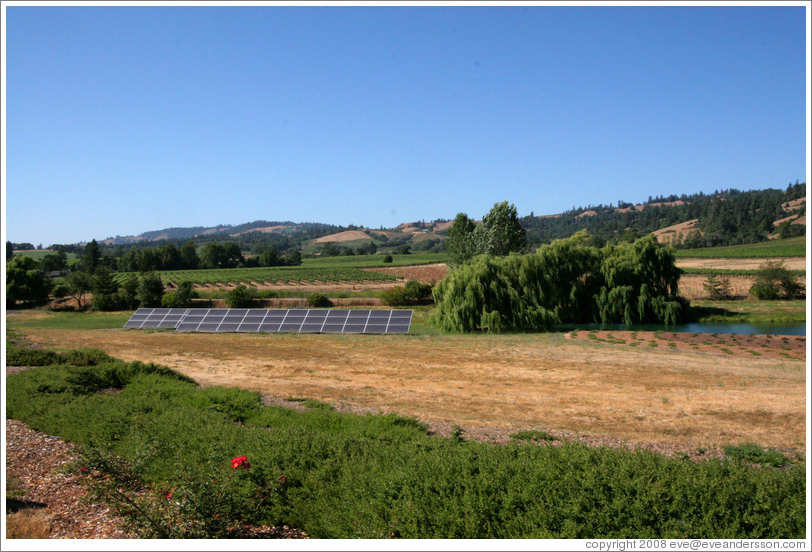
[
  {"x": 388, "y": 259},
  {"x": 318, "y": 301},
  {"x": 241, "y": 297},
  {"x": 531, "y": 435},
  {"x": 180, "y": 298},
  {"x": 413, "y": 293},
  {"x": 150, "y": 291},
  {"x": 772, "y": 279},
  {"x": 755, "y": 454},
  {"x": 21, "y": 356}
]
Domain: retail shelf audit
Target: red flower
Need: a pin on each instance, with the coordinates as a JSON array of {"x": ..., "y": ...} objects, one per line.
[{"x": 240, "y": 462}]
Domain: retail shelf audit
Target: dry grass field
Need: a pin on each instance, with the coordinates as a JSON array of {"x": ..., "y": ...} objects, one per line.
[{"x": 616, "y": 389}]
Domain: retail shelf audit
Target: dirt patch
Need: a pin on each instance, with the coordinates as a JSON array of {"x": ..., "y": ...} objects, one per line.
[
  {"x": 349, "y": 235},
  {"x": 430, "y": 274},
  {"x": 730, "y": 345},
  {"x": 792, "y": 263},
  {"x": 677, "y": 232},
  {"x": 692, "y": 286}
]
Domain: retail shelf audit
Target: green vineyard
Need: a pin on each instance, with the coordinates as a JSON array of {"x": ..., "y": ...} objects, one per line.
[
  {"x": 274, "y": 275},
  {"x": 790, "y": 247}
]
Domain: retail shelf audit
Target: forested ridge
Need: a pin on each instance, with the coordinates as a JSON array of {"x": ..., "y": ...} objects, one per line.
[{"x": 726, "y": 217}]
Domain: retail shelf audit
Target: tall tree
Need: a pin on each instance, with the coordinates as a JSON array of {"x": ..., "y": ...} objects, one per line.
[
  {"x": 150, "y": 291},
  {"x": 25, "y": 283},
  {"x": 92, "y": 257},
  {"x": 500, "y": 232},
  {"x": 188, "y": 254},
  {"x": 105, "y": 290},
  {"x": 461, "y": 245},
  {"x": 9, "y": 251}
]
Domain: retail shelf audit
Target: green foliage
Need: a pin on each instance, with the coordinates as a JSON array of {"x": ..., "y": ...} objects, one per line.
[
  {"x": 564, "y": 282},
  {"x": 413, "y": 293},
  {"x": 461, "y": 246},
  {"x": 182, "y": 297},
  {"x": 105, "y": 291},
  {"x": 387, "y": 259},
  {"x": 150, "y": 291},
  {"x": 92, "y": 257},
  {"x": 76, "y": 285},
  {"x": 241, "y": 297},
  {"x": 21, "y": 356},
  {"x": 641, "y": 284},
  {"x": 774, "y": 280},
  {"x": 725, "y": 218},
  {"x": 718, "y": 287},
  {"x": 791, "y": 247},
  {"x": 495, "y": 294},
  {"x": 217, "y": 255},
  {"x": 128, "y": 292},
  {"x": 25, "y": 283},
  {"x": 532, "y": 435},
  {"x": 318, "y": 301},
  {"x": 500, "y": 232},
  {"x": 755, "y": 454},
  {"x": 341, "y": 475}
]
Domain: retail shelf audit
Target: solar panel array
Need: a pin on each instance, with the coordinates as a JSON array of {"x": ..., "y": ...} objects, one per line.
[{"x": 368, "y": 321}]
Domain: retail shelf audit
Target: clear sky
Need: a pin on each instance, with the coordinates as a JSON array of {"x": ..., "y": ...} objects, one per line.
[{"x": 125, "y": 119}]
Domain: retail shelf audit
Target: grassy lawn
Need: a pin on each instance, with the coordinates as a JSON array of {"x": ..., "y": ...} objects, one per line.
[
  {"x": 790, "y": 247},
  {"x": 749, "y": 311}
]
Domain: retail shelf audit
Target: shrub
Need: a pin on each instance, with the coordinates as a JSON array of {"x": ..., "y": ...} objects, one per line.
[
  {"x": 531, "y": 435},
  {"x": 20, "y": 356},
  {"x": 718, "y": 287},
  {"x": 182, "y": 297},
  {"x": 318, "y": 301},
  {"x": 150, "y": 291},
  {"x": 388, "y": 259},
  {"x": 753, "y": 453},
  {"x": 774, "y": 277},
  {"x": 413, "y": 293},
  {"x": 241, "y": 297}
]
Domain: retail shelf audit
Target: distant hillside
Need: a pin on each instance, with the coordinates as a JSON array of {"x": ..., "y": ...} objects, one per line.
[
  {"x": 224, "y": 231},
  {"x": 727, "y": 217}
]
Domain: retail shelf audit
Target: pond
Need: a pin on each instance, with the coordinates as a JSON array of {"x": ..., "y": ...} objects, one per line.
[{"x": 772, "y": 328}]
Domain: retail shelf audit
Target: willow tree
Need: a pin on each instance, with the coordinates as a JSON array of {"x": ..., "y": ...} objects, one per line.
[
  {"x": 566, "y": 281},
  {"x": 641, "y": 284},
  {"x": 494, "y": 294}
]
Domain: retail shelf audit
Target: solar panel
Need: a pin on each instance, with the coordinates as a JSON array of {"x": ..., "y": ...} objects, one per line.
[{"x": 368, "y": 321}]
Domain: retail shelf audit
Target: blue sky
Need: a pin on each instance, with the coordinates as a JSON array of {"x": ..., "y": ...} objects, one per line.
[{"x": 124, "y": 119}]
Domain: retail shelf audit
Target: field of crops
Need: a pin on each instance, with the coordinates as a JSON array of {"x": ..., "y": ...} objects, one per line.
[
  {"x": 279, "y": 275},
  {"x": 791, "y": 247},
  {"x": 312, "y": 271}
]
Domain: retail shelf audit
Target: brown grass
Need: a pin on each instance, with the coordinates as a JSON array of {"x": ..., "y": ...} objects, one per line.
[
  {"x": 663, "y": 395},
  {"x": 28, "y": 523}
]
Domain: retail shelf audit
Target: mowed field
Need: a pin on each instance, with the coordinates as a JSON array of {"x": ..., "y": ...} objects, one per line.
[{"x": 672, "y": 398}]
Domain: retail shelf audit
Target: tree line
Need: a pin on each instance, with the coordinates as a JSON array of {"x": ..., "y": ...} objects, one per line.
[{"x": 727, "y": 217}]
